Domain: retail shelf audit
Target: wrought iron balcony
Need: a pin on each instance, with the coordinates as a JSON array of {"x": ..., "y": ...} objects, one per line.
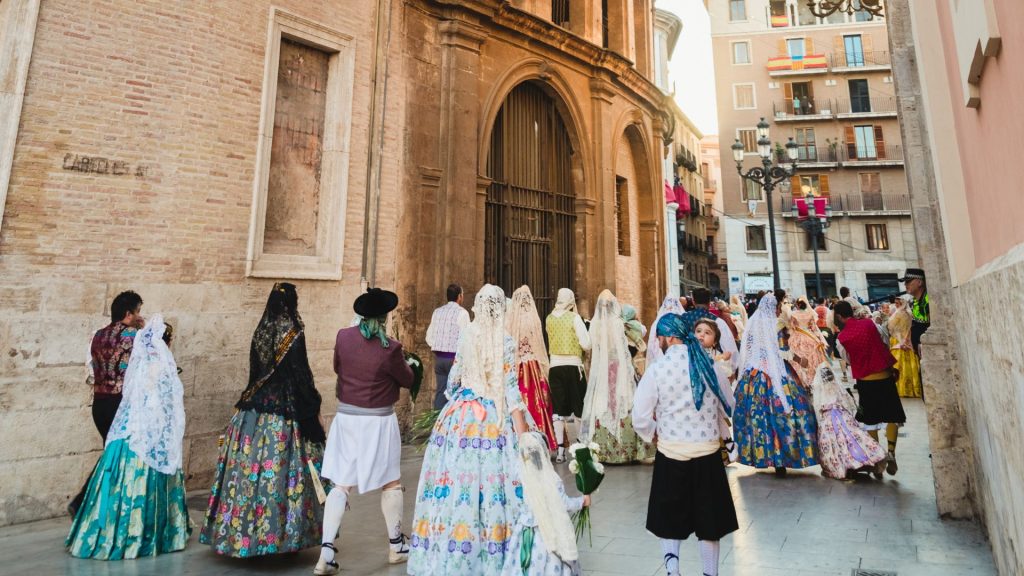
[
  {"x": 803, "y": 109},
  {"x": 787, "y": 65},
  {"x": 860, "y": 61},
  {"x": 811, "y": 156},
  {"x": 870, "y": 154},
  {"x": 857, "y": 204},
  {"x": 872, "y": 107}
]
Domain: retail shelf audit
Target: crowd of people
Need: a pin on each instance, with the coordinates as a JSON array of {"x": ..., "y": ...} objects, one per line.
[{"x": 709, "y": 383}]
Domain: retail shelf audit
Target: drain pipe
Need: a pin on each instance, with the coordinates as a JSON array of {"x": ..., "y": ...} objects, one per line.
[{"x": 378, "y": 107}]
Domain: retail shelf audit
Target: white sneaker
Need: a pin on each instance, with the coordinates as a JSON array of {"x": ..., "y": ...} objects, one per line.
[{"x": 398, "y": 552}]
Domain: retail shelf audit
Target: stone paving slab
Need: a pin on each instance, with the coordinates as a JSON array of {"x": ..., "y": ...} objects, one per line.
[{"x": 800, "y": 525}]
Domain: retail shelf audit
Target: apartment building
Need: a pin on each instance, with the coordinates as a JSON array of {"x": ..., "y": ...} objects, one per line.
[
  {"x": 711, "y": 169},
  {"x": 827, "y": 84}
]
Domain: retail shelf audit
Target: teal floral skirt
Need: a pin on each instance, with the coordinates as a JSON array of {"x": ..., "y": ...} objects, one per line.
[
  {"x": 263, "y": 500},
  {"x": 130, "y": 510}
]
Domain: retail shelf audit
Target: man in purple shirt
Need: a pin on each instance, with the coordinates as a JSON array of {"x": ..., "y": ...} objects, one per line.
[{"x": 364, "y": 445}]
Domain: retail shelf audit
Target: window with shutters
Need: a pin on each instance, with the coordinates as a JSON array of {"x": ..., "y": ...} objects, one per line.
[
  {"x": 796, "y": 48},
  {"x": 813, "y": 184},
  {"x": 737, "y": 10},
  {"x": 622, "y": 214},
  {"x": 865, "y": 143},
  {"x": 743, "y": 96},
  {"x": 807, "y": 150},
  {"x": 748, "y": 137},
  {"x": 755, "y": 239},
  {"x": 878, "y": 237},
  {"x": 853, "y": 47},
  {"x": 741, "y": 52},
  {"x": 751, "y": 191}
]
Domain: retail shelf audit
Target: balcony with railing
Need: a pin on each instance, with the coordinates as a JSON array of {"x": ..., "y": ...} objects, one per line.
[
  {"x": 870, "y": 154},
  {"x": 790, "y": 65},
  {"x": 867, "y": 107},
  {"x": 802, "y": 109},
  {"x": 857, "y": 204},
  {"x": 872, "y": 60},
  {"x": 811, "y": 157}
]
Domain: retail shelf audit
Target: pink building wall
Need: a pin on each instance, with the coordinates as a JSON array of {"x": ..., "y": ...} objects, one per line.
[{"x": 989, "y": 136}]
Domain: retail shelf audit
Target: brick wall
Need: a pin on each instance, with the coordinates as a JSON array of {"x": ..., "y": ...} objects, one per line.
[{"x": 174, "y": 95}]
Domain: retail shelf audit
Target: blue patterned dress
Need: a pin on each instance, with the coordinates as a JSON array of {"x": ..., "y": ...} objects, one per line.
[
  {"x": 767, "y": 435},
  {"x": 469, "y": 496}
]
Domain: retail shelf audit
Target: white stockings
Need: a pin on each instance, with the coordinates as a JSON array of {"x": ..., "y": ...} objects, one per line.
[
  {"x": 670, "y": 550},
  {"x": 709, "y": 556},
  {"x": 391, "y": 503},
  {"x": 334, "y": 509}
]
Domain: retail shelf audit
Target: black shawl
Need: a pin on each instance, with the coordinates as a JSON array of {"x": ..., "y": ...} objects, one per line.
[{"x": 280, "y": 380}]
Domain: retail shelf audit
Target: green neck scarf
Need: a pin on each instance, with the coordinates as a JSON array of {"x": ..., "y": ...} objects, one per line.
[{"x": 375, "y": 328}]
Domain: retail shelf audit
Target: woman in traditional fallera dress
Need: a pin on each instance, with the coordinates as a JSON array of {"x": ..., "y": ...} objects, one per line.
[
  {"x": 909, "y": 366},
  {"x": 263, "y": 499},
  {"x": 531, "y": 360},
  {"x": 469, "y": 494},
  {"x": 805, "y": 341},
  {"x": 843, "y": 446},
  {"x": 612, "y": 382},
  {"x": 134, "y": 503},
  {"x": 773, "y": 423}
]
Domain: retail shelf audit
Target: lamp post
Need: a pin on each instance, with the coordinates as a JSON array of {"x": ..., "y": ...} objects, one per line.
[
  {"x": 814, "y": 217},
  {"x": 767, "y": 176}
]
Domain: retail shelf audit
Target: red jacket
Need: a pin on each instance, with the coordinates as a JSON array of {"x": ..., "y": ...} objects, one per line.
[
  {"x": 864, "y": 347},
  {"x": 369, "y": 375}
]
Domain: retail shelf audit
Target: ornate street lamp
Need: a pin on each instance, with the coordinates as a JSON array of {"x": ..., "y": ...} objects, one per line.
[
  {"x": 825, "y": 8},
  {"x": 767, "y": 177},
  {"x": 814, "y": 215}
]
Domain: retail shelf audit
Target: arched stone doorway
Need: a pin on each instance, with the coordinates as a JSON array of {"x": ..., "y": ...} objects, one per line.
[{"x": 530, "y": 207}]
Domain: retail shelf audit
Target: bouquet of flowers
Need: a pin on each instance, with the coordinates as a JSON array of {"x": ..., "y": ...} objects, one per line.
[
  {"x": 589, "y": 473},
  {"x": 416, "y": 364}
]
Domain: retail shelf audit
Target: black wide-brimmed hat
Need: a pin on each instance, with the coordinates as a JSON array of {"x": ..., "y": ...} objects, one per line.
[
  {"x": 912, "y": 273},
  {"x": 375, "y": 303}
]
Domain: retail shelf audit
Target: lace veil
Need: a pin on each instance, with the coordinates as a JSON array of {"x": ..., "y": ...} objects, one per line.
[
  {"x": 152, "y": 411},
  {"x": 612, "y": 381},
  {"x": 671, "y": 305},
  {"x": 760, "y": 347},
  {"x": 482, "y": 347},
  {"x": 565, "y": 302},
  {"x": 524, "y": 326}
]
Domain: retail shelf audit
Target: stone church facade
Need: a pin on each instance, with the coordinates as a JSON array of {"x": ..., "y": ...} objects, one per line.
[{"x": 199, "y": 154}]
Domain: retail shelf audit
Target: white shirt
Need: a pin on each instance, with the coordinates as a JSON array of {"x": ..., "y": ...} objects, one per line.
[
  {"x": 446, "y": 324},
  {"x": 583, "y": 336},
  {"x": 728, "y": 344},
  {"x": 663, "y": 404}
]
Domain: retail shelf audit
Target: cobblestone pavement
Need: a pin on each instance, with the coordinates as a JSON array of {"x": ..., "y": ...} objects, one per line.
[{"x": 803, "y": 525}]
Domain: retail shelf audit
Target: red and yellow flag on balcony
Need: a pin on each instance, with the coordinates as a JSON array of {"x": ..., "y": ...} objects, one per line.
[
  {"x": 781, "y": 21},
  {"x": 797, "y": 63}
]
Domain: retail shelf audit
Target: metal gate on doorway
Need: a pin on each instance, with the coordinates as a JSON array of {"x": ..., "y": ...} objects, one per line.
[{"x": 530, "y": 209}]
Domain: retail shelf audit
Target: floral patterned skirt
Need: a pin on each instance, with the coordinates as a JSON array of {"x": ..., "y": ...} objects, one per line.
[
  {"x": 537, "y": 396},
  {"x": 843, "y": 445},
  {"x": 909, "y": 383},
  {"x": 130, "y": 510},
  {"x": 766, "y": 435},
  {"x": 469, "y": 492},
  {"x": 263, "y": 500},
  {"x": 625, "y": 449}
]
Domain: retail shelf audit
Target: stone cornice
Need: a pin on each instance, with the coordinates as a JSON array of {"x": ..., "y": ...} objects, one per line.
[
  {"x": 504, "y": 15},
  {"x": 462, "y": 34}
]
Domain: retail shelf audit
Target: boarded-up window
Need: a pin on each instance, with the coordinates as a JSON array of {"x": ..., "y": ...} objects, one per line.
[
  {"x": 299, "y": 202},
  {"x": 293, "y": 192},
  {"x": 622, "y": 214}
]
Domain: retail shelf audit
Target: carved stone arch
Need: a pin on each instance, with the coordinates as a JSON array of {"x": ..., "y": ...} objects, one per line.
[{"x": 552, "y": 81}]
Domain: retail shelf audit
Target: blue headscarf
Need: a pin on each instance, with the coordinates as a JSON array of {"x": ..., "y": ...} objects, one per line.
[{"x": 702, "y": 367}]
